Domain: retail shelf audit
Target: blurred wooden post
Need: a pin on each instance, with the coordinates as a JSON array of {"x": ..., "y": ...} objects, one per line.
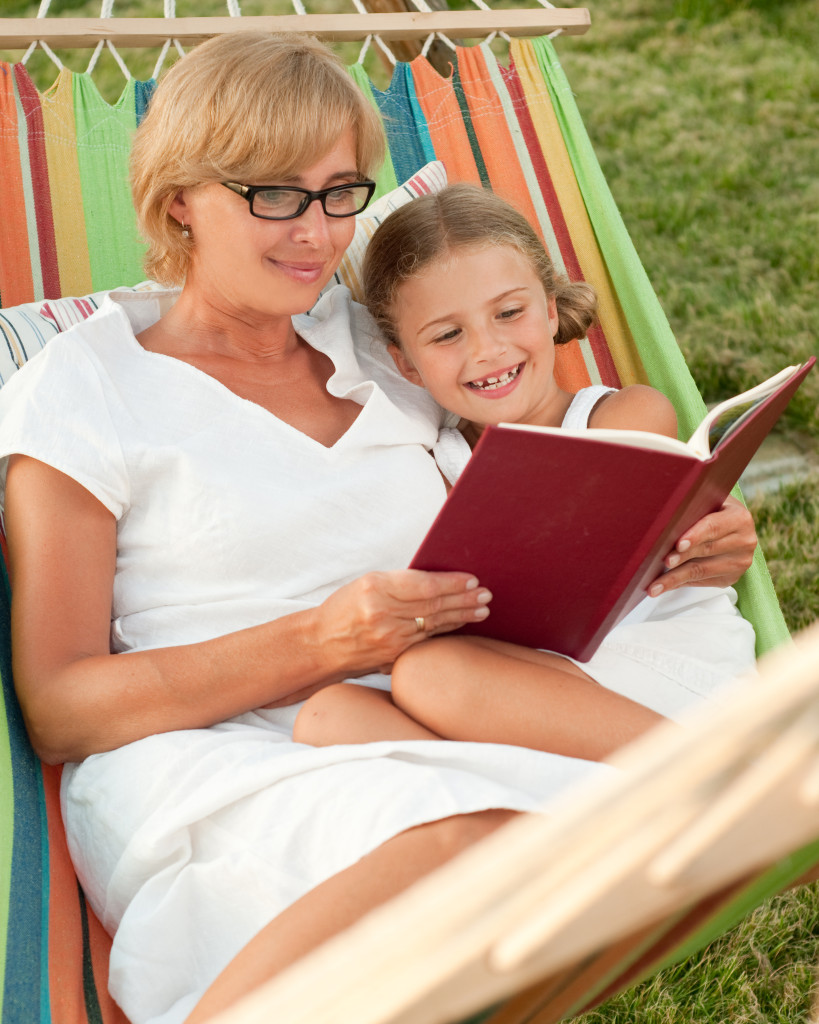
[{"x": 439, "y": 54}]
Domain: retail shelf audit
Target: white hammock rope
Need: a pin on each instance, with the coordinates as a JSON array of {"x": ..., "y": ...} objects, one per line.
[{"x": 373, "y": 40}]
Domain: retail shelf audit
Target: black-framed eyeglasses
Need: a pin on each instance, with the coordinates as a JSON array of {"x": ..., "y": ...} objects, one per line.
[{"x": 285, "y": 202}]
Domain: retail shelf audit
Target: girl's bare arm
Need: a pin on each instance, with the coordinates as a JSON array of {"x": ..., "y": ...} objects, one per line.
[{"x": 718, "y": 548}]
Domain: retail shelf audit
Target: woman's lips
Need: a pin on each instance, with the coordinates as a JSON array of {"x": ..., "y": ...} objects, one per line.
[{"x": 304, "y": 273}]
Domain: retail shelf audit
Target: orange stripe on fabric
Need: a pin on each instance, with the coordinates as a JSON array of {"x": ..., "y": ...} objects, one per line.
[
  {"x": 492, "y": 132},
  {"x": 65, "y": 949},
  {"x": 621, "y": 344},
  {"x": 100, "y": 942},
  {"x": 16, "y": 282},
  {"x": 507, "y": 179},
  {"x": 66, "y": 196},
  {"x": 446, "y": 127},
  {"x": 597, "y": 357}
]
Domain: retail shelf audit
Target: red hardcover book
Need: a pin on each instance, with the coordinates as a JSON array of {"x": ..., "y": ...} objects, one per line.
[{"x": 568, "y": 528}]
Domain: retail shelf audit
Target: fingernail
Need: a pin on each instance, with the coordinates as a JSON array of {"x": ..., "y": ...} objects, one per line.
[
  {"x": 484, "y": 597},
  {"x": 672, "y": 560},
  {"x": 656, "y": 590},
  {"x": 471, "y": 583},
  {"x": 481, "y": 613},
  {"x": 683, "y": 545}
]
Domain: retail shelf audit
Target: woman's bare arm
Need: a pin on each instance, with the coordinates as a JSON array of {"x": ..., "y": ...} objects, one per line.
[{"x": 78, "y": 699}]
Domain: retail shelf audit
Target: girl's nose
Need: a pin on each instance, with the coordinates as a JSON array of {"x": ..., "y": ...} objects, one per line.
[{"x": 486, "y": 345}]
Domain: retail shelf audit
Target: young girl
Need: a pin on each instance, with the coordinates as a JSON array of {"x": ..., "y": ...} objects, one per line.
[{"x": 472, "y": 309}]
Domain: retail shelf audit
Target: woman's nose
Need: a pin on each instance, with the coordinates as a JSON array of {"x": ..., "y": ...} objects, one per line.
[{"x": 313, "y": 223}]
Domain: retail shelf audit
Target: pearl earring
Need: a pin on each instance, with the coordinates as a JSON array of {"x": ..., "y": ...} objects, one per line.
[{"x": 186, "y": 231}]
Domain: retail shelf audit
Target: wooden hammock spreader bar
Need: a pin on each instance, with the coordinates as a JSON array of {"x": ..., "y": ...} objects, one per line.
[{"x": 86, "y": 33}]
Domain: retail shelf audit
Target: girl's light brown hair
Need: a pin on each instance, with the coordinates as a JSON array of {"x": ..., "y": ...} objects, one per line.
[
  {"x": 248, "y": 107},
  {"x": 464, "y": 216}
]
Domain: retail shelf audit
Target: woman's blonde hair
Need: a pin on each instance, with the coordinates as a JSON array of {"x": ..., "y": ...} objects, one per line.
[
  {"x": 459, "y": 217},
  {"x": 248, "y": 107}
]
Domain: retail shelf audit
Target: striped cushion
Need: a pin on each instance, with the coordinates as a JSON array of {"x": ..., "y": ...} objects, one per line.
[
  {"x": 25, "y": 329},
  {"x": 430, "y": 178}
]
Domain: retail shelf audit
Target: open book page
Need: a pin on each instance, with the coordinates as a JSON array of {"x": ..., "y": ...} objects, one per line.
[
  {"x": 632, "y": 438},
  {"x": 720, "y": 423},
  {"x": 726, "y": 417}
]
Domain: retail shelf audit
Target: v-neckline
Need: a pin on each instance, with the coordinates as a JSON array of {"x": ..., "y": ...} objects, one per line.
[{"x": 215, "y": 384}]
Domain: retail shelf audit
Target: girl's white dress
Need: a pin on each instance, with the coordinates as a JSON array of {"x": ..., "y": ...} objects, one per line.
[
  {"x": 669, "y": 652},
  {"x": 188, "y": 843}
]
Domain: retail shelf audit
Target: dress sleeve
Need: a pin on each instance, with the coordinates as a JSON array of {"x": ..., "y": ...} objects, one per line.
[
  {"x": 56, "y": 409},
  {"x": 452, "y": 452}
]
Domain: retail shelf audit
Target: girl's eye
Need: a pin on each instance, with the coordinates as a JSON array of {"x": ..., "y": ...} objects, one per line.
[
  {"x": 450, "y": 335},
  {"x": 510, "y": 314}
]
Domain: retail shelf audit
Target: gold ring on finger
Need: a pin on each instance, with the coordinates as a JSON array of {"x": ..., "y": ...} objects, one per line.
[{"x": 420, "y": 623}]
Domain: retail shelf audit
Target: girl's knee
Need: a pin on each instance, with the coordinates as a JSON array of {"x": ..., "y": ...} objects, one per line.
[
  {"x": 428, "y": 680},
  {"x": 319, "y": 711}
]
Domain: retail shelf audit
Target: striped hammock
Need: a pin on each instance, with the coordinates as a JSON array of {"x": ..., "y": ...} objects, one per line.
[{"x": 67, "y": 229}]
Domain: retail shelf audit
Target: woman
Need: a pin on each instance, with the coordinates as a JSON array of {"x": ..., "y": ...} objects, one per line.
[{"x": 209, "y": 504}]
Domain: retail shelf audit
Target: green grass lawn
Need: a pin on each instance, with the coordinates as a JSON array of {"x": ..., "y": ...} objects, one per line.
[{"x": 705, "y": 116}]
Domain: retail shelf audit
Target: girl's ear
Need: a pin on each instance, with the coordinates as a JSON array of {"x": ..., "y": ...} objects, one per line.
[
  {"x": 554, "y": 317},
  {"x": 405, "y": 367}
]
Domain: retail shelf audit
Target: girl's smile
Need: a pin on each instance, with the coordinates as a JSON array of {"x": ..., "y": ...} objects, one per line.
[
  {"x": 477, "y": 330},
  {"x": 498, "y": 385}
]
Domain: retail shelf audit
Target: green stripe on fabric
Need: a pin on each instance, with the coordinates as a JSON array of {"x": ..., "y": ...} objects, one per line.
[
  {"x": 458, "y": 89},
  {"x": 385, "y": 179},
  {"x": 23, "y": 996},
  {"x": 663, "y": 361},
  {"x": 6, "y": 841},
  {"x": 770, "y": 883},
  {"x": 45, "y": 895},
  {"x": 104, "y": 135},
  {"x": 658, "y": 347}
]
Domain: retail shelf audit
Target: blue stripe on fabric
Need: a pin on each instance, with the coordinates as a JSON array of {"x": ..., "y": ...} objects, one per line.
[
  {"x": 143, "y": 92},
  {"x": 23, "y": 995},
  {"x": 404, "y": 122}
]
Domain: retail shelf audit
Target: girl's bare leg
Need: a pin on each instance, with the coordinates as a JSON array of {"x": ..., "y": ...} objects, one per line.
[
  {"x": 466, "y": 688},
  {"x": 348, "y": 713},
  {"x": 341, "y": 901}
]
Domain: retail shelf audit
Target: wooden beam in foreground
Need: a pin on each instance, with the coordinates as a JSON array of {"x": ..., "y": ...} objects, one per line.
[{"x": 86, "y": 33}]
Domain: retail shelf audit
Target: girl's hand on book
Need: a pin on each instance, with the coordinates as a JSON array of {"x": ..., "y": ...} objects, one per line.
[{"x": 715, "y": 552}]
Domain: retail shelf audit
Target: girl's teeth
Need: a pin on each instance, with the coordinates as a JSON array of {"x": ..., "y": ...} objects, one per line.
[{"x": 496, "y": 382}]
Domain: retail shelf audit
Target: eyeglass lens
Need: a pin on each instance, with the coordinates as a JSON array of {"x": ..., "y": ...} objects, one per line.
[{"x": 343, "y": 201}]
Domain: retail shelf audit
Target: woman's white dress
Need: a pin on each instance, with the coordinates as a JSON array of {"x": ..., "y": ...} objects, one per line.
[
  {"x": 669, "y": 652},
  {"x": 188, "y": 843}
]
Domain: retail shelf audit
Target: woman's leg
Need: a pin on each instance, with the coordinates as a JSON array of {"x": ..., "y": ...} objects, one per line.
[
  {"x": 342, "y": 900},
  {"x": 348, "y": 713},
  {"x": 468, "y": 688}
]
